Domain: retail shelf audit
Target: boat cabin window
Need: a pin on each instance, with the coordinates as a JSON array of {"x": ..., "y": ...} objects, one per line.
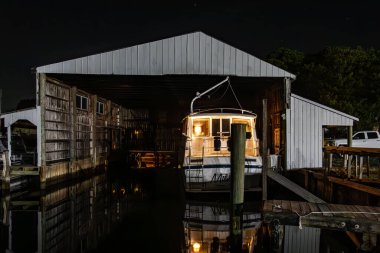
[
  {"x": 221, "y": 127},
  {"x": 201, "y": 127},
  {"x": 247, "y": 122}
]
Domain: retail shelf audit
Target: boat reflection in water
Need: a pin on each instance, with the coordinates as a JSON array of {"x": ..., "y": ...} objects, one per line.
[
  {"x": 73, "y": 218},
  {"x": 206, "y": 227}
]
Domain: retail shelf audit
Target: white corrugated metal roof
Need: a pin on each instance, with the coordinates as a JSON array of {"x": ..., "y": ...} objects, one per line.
[
  {"x": 325, "y": 107},
  {"x": 189, "y": 54}
]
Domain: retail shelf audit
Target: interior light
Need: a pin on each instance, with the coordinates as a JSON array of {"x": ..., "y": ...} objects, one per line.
[
  {"x": 196, "y": 247},
  {"x": 197, "y": 130}
]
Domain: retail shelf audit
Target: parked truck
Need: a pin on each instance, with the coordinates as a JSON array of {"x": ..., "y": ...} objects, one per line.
[{"x": 363, "y": 139}]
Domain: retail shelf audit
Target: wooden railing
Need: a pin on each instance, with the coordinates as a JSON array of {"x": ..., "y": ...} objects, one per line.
[{"x": 352, "y": 162}]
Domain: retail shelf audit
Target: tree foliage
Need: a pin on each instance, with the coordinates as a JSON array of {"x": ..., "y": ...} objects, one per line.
[{"x": 344, "y": 78}]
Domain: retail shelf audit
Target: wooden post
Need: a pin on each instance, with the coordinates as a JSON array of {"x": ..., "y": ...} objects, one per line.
[
  {"x": 73, "y": 142},
  {"x": 265, "y": 151},
  {"x": 360, "y": 167},
  {"x": 356, "y": 166},
  {"x": 238, "y": 136},
  {"x": 93, "y": 130},
  {"x": 349, "y": 166},
  {"x": 368, "y": 167},
  {"x": 349, "y": 136},
  {"x": 42, "y": 94},
  {"x": 6, "y": 179},
  {"x": 330, "y": 162}
]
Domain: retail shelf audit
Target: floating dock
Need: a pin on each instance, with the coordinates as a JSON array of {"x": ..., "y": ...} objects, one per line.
[{"x": 354, "y": 218}]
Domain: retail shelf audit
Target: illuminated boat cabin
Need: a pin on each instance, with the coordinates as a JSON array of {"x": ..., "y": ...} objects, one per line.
[{"x": 207, "y": 156}]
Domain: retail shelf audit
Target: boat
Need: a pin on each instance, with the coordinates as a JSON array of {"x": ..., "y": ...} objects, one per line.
[{"x": 206, "y": 162}]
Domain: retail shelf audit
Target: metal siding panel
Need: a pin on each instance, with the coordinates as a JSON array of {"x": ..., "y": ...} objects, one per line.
[
  {"x": 116, "y": 62},
  {"x": 297, "y": 138},
  {"x": 308, "y": 136},
  {"x": 292, "y": 130},
  {"x": 233, "y": 61},
  {"x": 304, "y": 134},
  {"x": 135, "y": 60},
  {"x": 281, "y": 72},
  {"x": 202, "y": 54},
  {"x": 251, "y": 65},
  {"x": 103, "y": 63},
  {"x": 85, "y": 65},
  {"x": 143, "y": 59},
  {"x": 159, "y": 58},
  {"x": 239, "y": 62},
  {"x": 208, "y": 52},
  {"x": 313, "y": 137},
  {"x": 269, "y": 70},
  {"x": 183, "y": 54},
  {"x": 78, "y": 66},
  {"x": 320, "y": 118},
  {"x": 190, "y": 54},
  {"x": 122, "y": 62},
  {"x": 59, "y": 67},
  {"x": 153, "y": 58},
  {"x": 275, "y": 71},
  {"x": 177, "y": 55},
  {"x": 128, "y": 61},
  {"x": 69, "y": 67},
  {"x": 172, "y": 61},
  {"x": 263, "y": 68},
  {"x": 300, "y": 137},
  {"x": 165, "y": 56},
  {"x": 220, "y": 60},
  {"x": 226, "y": 59},
  {"x": 94, "y": 62},
  {"x": 214, "y": 56},
  {"x": 109, "y": 62},
  {"x": 245, "y": 64},
  {"x": 257, "y": 67},
  {"x": 196, "y": 58}
]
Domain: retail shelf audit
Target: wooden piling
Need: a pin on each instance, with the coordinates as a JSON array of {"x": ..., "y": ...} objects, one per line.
[
  {"x": 264, "y": 151},
  {"x": 6, "y": 179},
  {"x": 238, "y": 136}
]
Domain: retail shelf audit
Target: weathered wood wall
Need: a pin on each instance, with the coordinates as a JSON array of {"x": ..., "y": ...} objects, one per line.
[{"x": 75, "y": 138}]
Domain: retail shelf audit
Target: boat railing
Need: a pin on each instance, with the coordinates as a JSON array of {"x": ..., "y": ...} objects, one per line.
[
  {"x": 224, "y": 110},
  {"x": 223, "y": 151}
]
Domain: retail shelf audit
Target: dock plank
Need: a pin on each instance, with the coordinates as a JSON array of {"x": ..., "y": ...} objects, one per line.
[{"x": 345, "y": 217}]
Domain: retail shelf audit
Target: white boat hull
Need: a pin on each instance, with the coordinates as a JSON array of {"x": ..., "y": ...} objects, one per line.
[{"x": 217, "y": 169}]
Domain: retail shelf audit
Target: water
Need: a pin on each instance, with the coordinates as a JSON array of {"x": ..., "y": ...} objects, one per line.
[{"x": 142, "y": 212}]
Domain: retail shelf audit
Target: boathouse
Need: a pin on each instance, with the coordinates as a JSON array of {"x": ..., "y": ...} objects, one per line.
[{"x": 135, "y": 97}]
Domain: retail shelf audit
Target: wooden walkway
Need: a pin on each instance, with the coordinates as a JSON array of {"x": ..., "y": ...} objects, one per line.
[
  {"x": 300, "y": 191},
  {"x": 329, "y": 216}
]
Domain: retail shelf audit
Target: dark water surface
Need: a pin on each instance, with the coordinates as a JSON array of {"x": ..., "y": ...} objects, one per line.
[{"x": 141, "y": 212}]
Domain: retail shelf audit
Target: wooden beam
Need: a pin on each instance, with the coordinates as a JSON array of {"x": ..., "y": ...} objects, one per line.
[
  {"x": 356, "y": 186},
  {"x": 352, "y": 150},
  {"x": 294, "y": 187}
]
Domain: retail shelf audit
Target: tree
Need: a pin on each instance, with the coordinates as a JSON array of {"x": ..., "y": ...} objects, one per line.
[{"x": 344, "y": 78}]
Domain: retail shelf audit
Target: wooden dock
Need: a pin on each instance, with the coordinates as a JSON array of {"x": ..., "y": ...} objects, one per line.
[{"x": 352, "y": 218}]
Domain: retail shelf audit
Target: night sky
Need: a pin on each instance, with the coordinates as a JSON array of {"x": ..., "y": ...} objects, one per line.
[{"x": 35, "y": 33}]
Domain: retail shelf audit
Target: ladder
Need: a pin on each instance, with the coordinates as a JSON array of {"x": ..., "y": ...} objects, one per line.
[{"x": 195, "y": 175}]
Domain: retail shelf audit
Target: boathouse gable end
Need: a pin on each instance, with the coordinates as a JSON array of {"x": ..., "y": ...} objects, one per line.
[
  {"x": 189, "y": 54},
  {"x": 305, "y": 120}
]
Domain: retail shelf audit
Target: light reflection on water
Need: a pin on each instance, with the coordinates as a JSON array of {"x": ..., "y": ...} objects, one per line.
[{"x": 140, "y": 213}]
